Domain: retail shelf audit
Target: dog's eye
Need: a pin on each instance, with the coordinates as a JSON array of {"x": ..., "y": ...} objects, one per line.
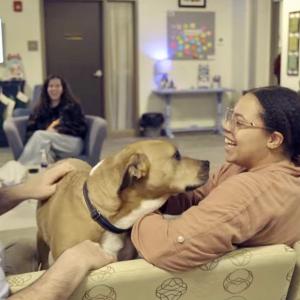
[{"x": 177, "y": 155}]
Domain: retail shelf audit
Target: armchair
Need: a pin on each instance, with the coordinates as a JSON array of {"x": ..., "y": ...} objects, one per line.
[
  {"x": 260, "y": 273},
  {"x": 26, "y": 111},
  {"x": 15, "y": 131}
]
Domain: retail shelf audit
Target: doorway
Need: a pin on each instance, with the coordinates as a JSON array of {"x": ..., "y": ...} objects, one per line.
[{"x": 74, "y": 49}]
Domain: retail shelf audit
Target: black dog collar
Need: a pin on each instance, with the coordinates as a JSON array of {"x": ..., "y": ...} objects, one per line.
[{"x": 97, "y": 217}]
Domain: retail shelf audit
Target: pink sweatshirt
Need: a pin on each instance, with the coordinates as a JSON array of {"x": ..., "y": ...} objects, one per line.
[{"x": 239, "y": 208}]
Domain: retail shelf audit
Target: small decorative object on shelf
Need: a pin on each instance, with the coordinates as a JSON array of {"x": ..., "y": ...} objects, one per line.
[
  {"x": 164, "y": 81},
  {"x": 203, "y": 80},
  {"x": 171, "y": 85},
  {"x": 162, "y": 69},
  {"x": 216, "y": 82}
]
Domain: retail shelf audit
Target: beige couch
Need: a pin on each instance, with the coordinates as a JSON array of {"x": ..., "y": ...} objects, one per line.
[
  {"x": 261, "y": 273},
  {"x": 294, "y": 291}
]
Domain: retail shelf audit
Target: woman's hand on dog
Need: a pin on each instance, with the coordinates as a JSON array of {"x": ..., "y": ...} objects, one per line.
[
  {"x": 42, "y": 186},
  {"x": 88, "y": 254}
]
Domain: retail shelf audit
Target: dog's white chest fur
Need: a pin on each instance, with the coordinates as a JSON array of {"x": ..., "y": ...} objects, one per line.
[{"x": 112, "y": 242}]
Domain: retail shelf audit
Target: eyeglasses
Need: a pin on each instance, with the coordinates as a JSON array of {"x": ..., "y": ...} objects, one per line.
[{"x": 236, "y": 123}]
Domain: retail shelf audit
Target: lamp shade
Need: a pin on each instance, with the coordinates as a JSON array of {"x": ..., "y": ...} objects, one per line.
[{"x": 163, "y": 66}]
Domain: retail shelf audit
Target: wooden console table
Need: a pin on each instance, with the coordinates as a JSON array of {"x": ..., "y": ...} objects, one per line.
[{"x": 166, "y": 96}]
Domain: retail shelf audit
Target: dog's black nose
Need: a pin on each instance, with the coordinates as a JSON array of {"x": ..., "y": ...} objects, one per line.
[{"x": 205, "y": 165}]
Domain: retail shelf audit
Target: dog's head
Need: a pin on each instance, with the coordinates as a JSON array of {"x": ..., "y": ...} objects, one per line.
[{"x": 152, "y": 169}]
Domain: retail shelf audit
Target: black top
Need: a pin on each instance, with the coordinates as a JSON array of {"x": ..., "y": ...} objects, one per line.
[{"x": 72, "y": 120}]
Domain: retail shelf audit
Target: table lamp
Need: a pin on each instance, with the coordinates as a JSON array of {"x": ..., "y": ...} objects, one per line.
[{"x": 161, "y": 72}]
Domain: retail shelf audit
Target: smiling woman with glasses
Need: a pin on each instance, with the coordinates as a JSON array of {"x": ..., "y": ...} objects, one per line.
[
  {"x": 251, "y": 200},
  {"x": 237, "y": 122}
]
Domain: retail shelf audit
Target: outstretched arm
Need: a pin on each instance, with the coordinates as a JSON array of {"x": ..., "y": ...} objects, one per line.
[
  {"x": 60, "y": 281},
  {"x": 39, "y": 187}
]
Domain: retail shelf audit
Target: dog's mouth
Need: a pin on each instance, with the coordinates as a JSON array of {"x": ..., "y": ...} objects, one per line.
[
  {"x": 193, "y": 187},
  {"x": 203, "y": 179}
]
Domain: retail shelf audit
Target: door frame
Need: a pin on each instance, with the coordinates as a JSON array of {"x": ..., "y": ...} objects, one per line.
[{"x": 135, "y": 129}]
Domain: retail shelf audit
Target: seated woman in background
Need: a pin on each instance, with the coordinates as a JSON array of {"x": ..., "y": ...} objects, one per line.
[{"x": 57, "y": 124}]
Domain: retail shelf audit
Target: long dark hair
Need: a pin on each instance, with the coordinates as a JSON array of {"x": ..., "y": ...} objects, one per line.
[
  {"x": 44, "y": 104},
  {"x": 282, "y": 113}
]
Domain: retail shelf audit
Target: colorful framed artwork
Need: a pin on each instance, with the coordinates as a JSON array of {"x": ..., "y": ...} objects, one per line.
[
  {"x": 191, "y": 35},
  {"x": 192, "y": 3}
]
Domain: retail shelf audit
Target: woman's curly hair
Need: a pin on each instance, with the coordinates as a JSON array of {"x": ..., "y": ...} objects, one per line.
[{"x": 281, "y": 107}]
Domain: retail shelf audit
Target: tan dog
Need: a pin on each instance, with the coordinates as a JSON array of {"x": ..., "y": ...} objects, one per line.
[{"x": 122, "y": 188}]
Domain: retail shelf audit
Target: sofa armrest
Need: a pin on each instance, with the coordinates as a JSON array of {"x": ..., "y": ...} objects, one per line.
[
  {"x": 15, "y": 131},
  {"x": 247, "y": 273},
  {"x": 294, "y": 291}
]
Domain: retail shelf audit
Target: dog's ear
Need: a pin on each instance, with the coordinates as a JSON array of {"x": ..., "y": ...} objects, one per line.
[{"x": 136, "y": 169}]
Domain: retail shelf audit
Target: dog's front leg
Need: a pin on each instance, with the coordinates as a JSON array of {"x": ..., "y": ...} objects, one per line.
[
  {"x": 42, "y": 253},
  {"x": 128, "y": 250}
]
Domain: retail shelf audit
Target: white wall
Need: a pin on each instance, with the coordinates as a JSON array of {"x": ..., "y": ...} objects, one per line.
[
  {"x": 288, "y": 81},
  {"x": 233, "y": 53},
  {"x": 239, "y": 44},
  {"x": 262, "y": 18},
  {"x": 20, "y": 27},
  {"x": 251, "y": 26},
  {"x": 242, "y": 55},
  {"x": 153, "y": 46}
]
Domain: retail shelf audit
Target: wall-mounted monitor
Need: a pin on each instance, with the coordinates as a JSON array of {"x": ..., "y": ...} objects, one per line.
[{"x": 1, "y": 43}]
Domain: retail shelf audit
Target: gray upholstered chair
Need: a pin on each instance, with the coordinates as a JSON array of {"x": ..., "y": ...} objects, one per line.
[
  {"x": 15, "y": 131},
  {"x": 28, "y": 110}
]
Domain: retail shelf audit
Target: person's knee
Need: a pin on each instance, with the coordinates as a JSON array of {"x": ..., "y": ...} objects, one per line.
[
  {"x": 39, "y": 134},
  {"x": 40, "y": 138}
]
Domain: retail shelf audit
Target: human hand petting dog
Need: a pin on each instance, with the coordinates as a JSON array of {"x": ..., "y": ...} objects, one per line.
[{"x": 42, "y": 186}]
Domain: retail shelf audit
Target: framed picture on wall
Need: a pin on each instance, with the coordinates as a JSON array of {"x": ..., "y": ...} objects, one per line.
[
  {"x": 293, "y": 44},
  {"x": 293, "y": 65},
  {"x": 192, "y": 3},
  {"x": 191, "y": 35}
]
